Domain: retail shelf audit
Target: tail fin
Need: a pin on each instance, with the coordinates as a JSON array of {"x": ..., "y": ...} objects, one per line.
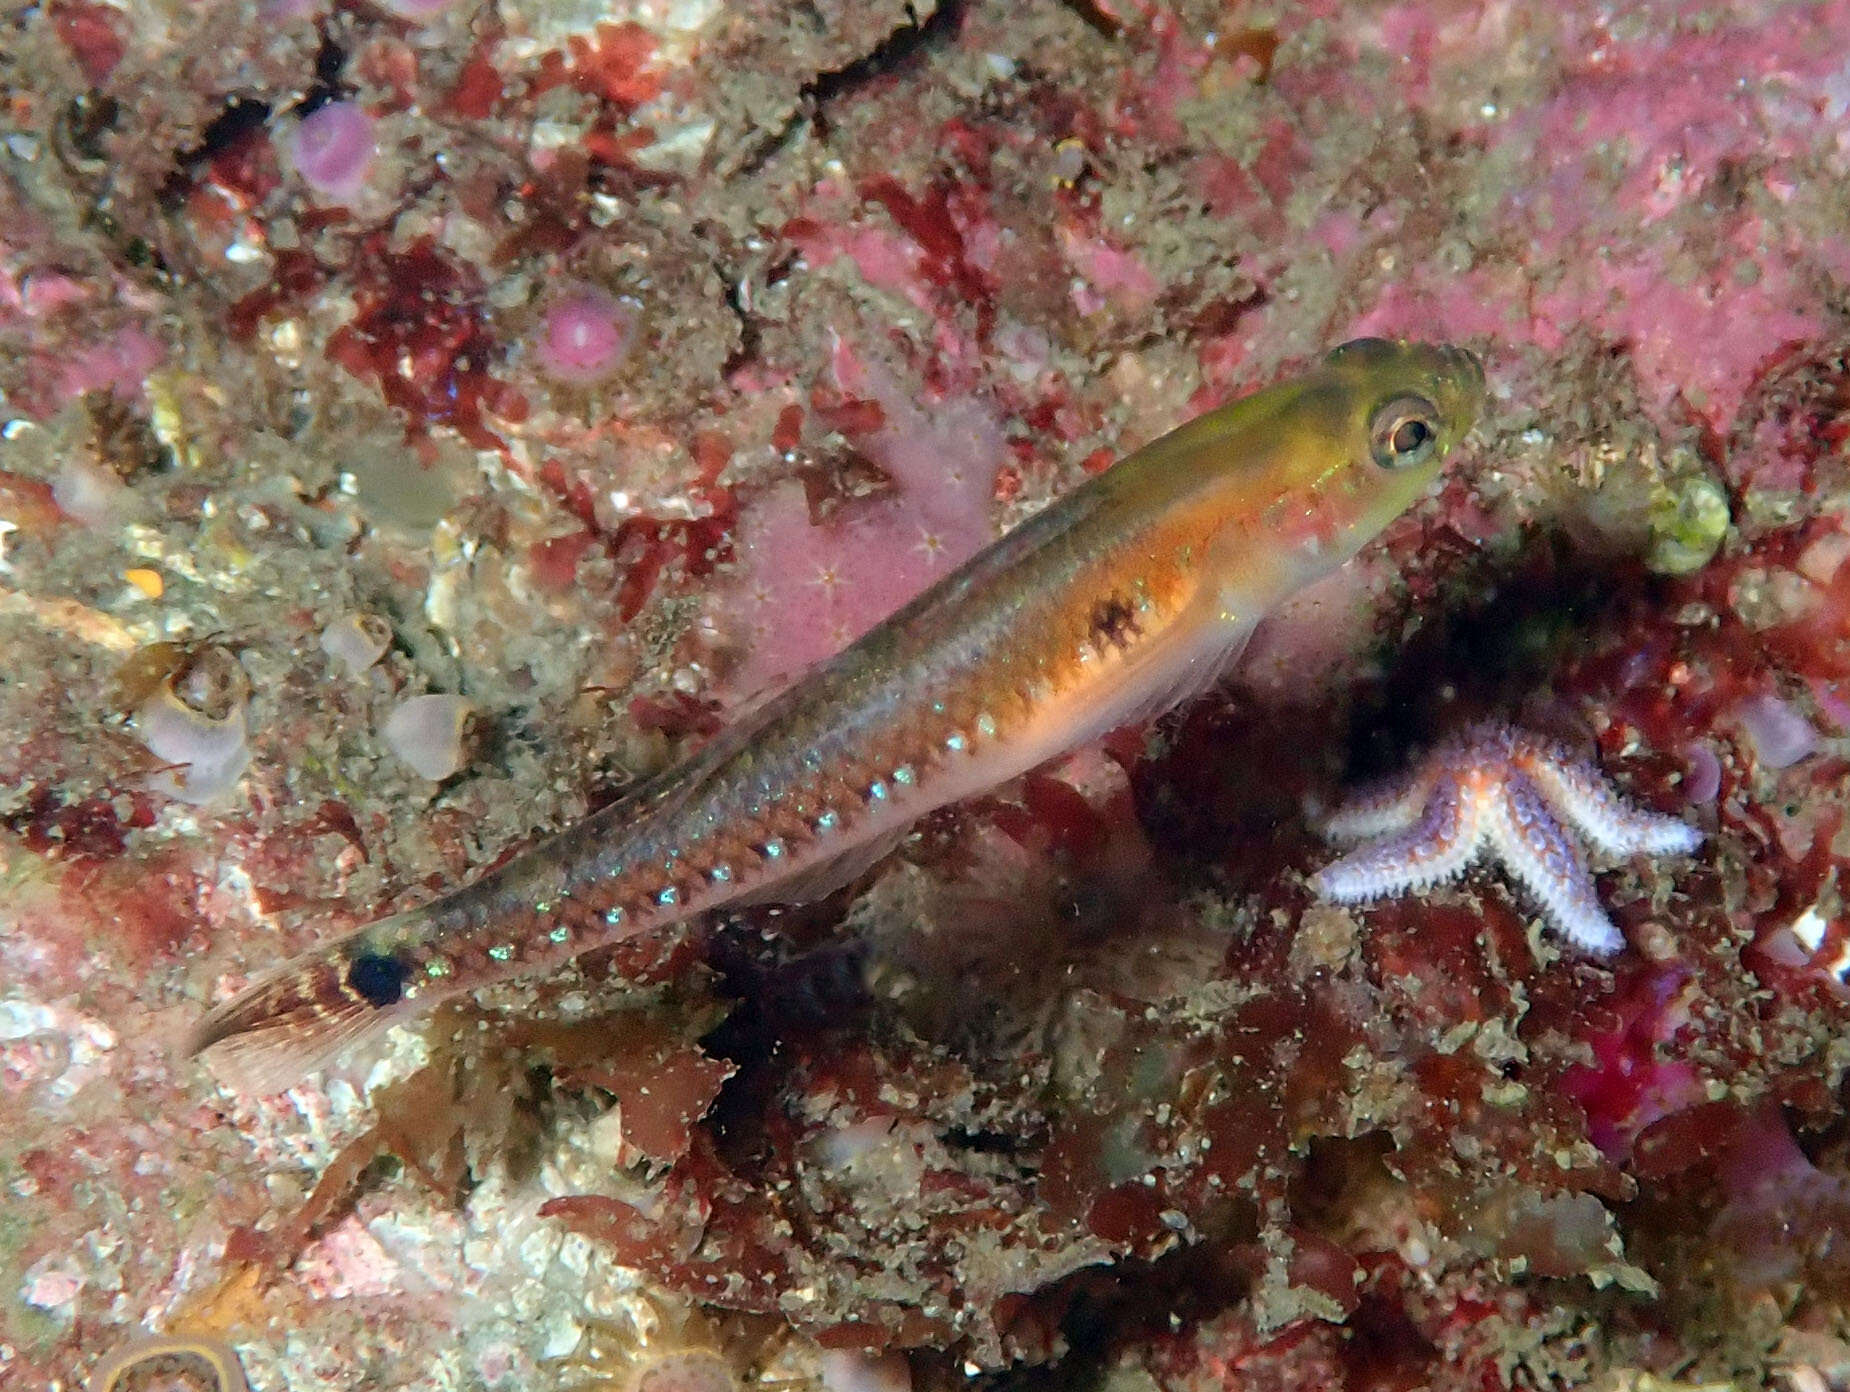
[{"x": 289, "y": 1022}]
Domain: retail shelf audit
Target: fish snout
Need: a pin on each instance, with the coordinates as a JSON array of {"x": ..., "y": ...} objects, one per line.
[
  {"x": 1466, "y": 366},
  {"x": 1462, "y": 374}
]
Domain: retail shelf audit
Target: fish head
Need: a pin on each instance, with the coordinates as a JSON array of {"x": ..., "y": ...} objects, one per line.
[
  {"x": 1361, "y": 437},
  {"x": 1403, "y": 396}
]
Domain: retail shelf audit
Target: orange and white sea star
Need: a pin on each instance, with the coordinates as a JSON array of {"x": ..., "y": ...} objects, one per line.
[{"x": 1515, "y": 795}]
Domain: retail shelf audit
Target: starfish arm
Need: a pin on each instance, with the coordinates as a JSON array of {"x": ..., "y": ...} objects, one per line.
[
  {"x": 1438, "y": 847},
  {"x": 1580, "y": 795},
  {"x": 1392, "y": 804},
  {"x": 1537, "y": 850}
]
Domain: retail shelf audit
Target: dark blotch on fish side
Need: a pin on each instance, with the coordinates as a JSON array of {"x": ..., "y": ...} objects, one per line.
[{"x": 1114, "y": 623}]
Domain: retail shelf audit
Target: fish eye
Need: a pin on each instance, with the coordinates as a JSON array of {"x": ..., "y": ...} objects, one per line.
[{"x": 1404, "y": 432}]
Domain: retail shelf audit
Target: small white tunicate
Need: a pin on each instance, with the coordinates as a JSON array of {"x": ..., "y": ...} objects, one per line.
[
  {"x": 196, "y": 722},
  {"x": 847, "y": 1370},
  {"x": 87, "y": 494},
  {"x": 432, "y": 734},
  {"x": 356, "y": 640},
  {"x": 210, "y": 755},
  {"x": 1778, "y": 730}
]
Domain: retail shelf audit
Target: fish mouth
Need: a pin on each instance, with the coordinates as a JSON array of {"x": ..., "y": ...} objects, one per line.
[
  {"x": 1465, "y": 367},
  {"x": 1462, "y": 385}
]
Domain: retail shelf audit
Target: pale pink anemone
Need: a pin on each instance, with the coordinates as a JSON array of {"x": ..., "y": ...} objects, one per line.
[
  {"x": 333, "y": 148},
  {"x": 585, "y": 335}
]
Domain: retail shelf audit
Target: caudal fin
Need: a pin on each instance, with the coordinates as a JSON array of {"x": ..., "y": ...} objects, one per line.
[{"x": 287, "y": 1023}]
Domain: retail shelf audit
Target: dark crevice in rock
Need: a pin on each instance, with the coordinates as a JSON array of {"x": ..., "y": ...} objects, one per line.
[{"x": 892, "y": 55}]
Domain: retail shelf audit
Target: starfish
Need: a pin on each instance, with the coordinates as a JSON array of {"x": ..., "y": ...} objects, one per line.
[{"x": 1516, "y": 795}]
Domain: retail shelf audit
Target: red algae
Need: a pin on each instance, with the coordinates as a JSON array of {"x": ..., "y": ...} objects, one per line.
[
  {"x": 613, "y": 63},
  {"x": 93, "y": 34},
  {"x": 1630, "y": 1085},
  {"x": 419, "y": 330}
]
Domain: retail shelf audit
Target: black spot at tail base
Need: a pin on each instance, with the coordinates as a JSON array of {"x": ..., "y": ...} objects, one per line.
[{"x": 378, "y": 978}]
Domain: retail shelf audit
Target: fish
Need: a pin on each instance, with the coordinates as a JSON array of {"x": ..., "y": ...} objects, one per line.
[{"x": 1124, "y": 598}]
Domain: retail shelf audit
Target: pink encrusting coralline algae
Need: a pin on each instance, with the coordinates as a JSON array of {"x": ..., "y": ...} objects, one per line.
[{"x": 421, "y": 423}]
